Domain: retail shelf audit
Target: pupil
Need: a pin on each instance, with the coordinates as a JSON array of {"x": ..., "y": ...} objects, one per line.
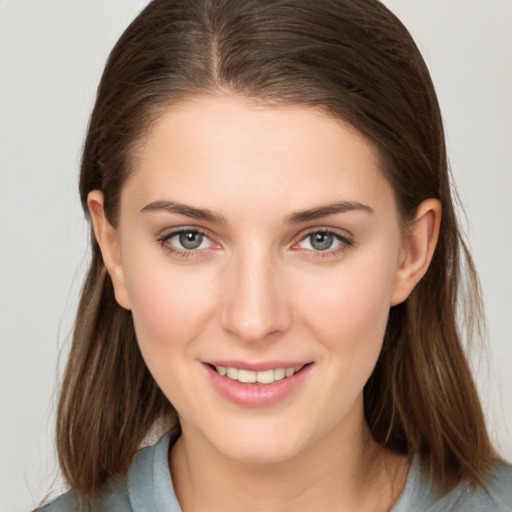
[
  {"x": 321, "y": 241},
  {"x": 191, "y": 240}
]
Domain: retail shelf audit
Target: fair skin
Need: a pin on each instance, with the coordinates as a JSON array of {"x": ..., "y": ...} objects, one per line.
[{"x": 226, "y": 256}]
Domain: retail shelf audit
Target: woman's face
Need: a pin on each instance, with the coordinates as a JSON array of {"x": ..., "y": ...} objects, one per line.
[{"x": 264, "y": 242}]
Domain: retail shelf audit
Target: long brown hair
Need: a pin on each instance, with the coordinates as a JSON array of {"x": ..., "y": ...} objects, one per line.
[{"x": 355, "y": 60}]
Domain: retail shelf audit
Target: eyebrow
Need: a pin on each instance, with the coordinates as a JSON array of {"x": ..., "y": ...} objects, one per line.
[
  {"x": 295, "y": 218},
  {"x": 326, "y": 210},
  {"x": 184, "y": 209}
]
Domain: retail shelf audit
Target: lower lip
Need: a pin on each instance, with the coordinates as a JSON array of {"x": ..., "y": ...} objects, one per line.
[{"x": 256, "y": 395}]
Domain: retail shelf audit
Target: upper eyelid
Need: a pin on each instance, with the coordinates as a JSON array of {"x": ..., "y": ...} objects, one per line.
[
  {"x": 165, "y": 236},
  {"x": 345, "y": 241},
  {"x": 342, "y": 234},
  {"x": 169, "y": 233},
  {"x": 164, "y": 241}
]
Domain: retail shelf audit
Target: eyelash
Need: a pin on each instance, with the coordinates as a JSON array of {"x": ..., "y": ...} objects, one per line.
[
  {"x": 344, "y": 241},
  {"x": 186, "y": 253}
]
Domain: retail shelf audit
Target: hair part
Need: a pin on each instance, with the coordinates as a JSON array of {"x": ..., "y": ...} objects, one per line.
[{"x": 355, "y": 60}]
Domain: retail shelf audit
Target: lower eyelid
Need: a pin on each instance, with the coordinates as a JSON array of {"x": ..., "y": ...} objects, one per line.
[
  {"x": 164, "y": 241},
  {"x": 344, "y": 242}
]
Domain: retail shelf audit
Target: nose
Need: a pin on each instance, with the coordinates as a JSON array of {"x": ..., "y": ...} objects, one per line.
[{"x": 255, "y": 308}]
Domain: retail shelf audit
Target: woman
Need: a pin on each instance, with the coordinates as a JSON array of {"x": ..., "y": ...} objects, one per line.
[{"x": 275, "y": 273}]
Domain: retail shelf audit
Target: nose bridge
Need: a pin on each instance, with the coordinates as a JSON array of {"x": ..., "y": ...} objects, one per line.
[{"x": 256, "y": 303}]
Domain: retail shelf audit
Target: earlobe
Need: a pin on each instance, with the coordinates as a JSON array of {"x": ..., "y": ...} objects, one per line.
[
  {"x": 420, "y": 242},
  {"x": 106, "y": 237}
]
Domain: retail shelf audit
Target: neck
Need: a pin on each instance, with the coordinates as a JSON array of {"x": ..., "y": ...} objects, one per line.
[{"x": 349, "y": 472}]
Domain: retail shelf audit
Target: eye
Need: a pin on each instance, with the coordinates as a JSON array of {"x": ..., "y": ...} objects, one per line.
[
  {"x": 324, "y": 241},
  {"x": 189, "y": 240},
  {"x": 321, "y": 241},
  {"x": 185, "y": 241}
]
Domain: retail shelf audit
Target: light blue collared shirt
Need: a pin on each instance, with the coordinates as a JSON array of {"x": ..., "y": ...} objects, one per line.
[{"x": 148, "y": 488}]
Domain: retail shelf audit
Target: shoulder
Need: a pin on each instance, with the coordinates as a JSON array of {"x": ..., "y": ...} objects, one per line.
[
  {"x": 495, "y": 494},
  {"x": 147, "y": 486},
  {"x": 113, "y": 499},
  {"x": 66, "y": 503},
  {"x": 422, "y": 495}
]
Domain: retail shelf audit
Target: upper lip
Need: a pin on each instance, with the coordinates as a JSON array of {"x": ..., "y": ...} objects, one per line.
[{"x": 255, "y": 366}]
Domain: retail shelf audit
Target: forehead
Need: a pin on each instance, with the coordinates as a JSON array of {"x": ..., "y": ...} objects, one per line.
[{"x": 217, "y": 151}]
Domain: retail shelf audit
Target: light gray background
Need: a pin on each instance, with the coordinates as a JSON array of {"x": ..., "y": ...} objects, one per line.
[{"x": 51, "y": 56}]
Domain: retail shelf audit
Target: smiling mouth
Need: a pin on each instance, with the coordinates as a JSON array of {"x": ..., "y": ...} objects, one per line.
[{"x": 254, "y": 377}]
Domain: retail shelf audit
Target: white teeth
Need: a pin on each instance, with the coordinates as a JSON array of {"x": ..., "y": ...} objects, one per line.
[
  {"x": 221, "y": 370},
  {"x": 263, "y": 377},
  {"x": 232, "y": 373},
  {"x": 279, "y": 374},
  {"x": 246, "y": 376},
  {"x": 266, "y": 377}
]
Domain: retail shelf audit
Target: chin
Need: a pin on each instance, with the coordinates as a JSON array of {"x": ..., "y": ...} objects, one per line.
[
  {"x": 260, "y": 453},
  {"x": 259, "y": 444}
]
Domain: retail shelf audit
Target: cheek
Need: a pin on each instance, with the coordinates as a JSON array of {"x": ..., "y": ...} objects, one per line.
[
  {"x": 349, "y": 311},
  {"x": 170, "y": 306}
]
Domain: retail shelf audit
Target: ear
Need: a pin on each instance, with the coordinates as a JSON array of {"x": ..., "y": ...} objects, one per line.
[
  {"x": 420, "y": 241},
  {"x": 106, "y": 237}
]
